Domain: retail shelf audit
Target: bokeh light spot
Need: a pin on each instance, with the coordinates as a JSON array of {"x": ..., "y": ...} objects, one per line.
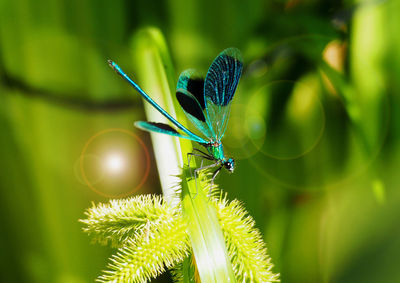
[
  {"x": 123, "y": 170},
  {"x": 114, "y": 163}
]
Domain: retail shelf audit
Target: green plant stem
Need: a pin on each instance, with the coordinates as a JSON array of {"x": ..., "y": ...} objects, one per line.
[{"x": 205, "y": 234}]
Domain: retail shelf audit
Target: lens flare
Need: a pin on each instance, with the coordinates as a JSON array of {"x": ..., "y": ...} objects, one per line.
[
  {"x": 116, "y": 167},
  {"x": 114, "y": 163}
]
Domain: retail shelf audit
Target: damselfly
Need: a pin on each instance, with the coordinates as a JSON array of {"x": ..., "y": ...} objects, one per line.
[{"x": 206, "y": 103}]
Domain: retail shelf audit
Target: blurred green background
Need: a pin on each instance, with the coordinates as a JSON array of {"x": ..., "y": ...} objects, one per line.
[{"x": 314, "y": 128}]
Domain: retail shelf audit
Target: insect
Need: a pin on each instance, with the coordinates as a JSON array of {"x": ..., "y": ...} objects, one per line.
[{"x": 206, "y": 103}]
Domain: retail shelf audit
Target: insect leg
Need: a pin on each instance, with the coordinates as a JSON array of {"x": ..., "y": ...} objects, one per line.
[
  {"x": 205, "y": 167},
  {"x": 196, "y": 172},
  {"x": 213, "y": 178},
  {"x": 215, "y": 174},
  {"x": 189, "y": 157},
  {"x": 202, "y": 152},
  {"x": 203, "y": 156}
]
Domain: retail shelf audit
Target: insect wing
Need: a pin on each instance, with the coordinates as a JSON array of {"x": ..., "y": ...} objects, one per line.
[
  {"x": 164, "y": 129},
  {"x": 192, "y": 136},
  {"x": 190, "y": 95},
  {"x": 220, "y": 86}
]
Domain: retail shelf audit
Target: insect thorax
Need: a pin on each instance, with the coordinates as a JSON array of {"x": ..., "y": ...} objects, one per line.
[{"x": 216, "y": 150}]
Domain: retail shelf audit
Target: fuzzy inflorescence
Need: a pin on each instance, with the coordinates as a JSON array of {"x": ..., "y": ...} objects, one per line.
[
  {"x": 152, "y": 236},
  {"x": 245, "y": 245}
]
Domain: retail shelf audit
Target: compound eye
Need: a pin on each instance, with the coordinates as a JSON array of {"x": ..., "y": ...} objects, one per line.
[{"x": 230, "y": 164}]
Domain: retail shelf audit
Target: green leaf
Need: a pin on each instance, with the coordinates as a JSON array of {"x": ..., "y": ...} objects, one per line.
[
  {"x": 156, "y": 75},
  {"x": 212, "y": 261},
  {"x": 205, "y": 232}
]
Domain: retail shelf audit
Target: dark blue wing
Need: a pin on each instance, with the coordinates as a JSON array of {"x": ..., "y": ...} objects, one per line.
[
  {"x": 164, "y": 129},
  {"x": 219, "y": 87},
  {"x": 190, "y": 95}
]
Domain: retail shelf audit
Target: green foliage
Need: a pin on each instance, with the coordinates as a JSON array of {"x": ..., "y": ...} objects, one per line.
[
  {"x": 246, "y": 248},
  {"x": 329, "y": 213},
  {"x": 120, "y": 220},
  {"x": 156, "y": 248},
  {"x": 153, "y": 236},
  {"x": 204, "y": 229},
  {"x": 206, "y": 238},
  {"x": 185, "y": 271}
]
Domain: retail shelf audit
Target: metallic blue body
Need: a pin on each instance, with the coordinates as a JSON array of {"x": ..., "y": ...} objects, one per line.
[
  {"x": 206, "y": 103},
  {"x": 155, "y": 105}
]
